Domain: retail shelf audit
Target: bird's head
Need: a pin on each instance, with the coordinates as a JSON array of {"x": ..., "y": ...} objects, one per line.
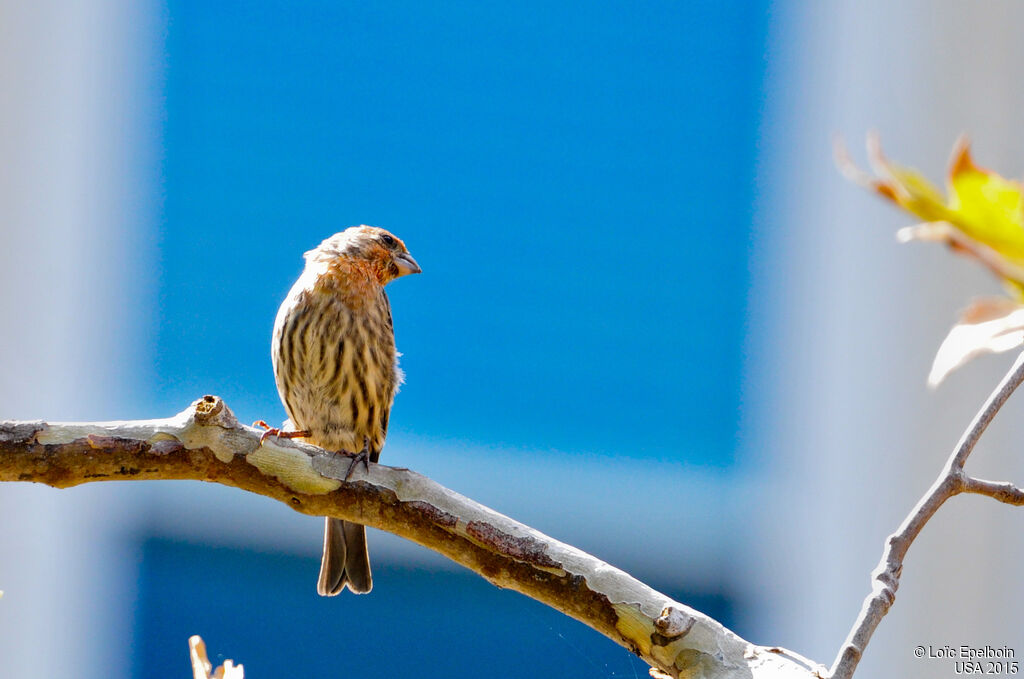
[{"x": 379, "y": 251}]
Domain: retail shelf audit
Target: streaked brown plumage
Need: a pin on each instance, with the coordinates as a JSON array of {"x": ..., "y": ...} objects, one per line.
[{"x": 336, "y": 368}]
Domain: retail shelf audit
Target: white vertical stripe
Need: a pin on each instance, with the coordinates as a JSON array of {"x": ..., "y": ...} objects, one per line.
[
  {"x": 846, "y": 323},
  {"x": 76, "y": 82}
]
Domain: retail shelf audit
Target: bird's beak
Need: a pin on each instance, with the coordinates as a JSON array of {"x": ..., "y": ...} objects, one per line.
[{"x": 406, "y": 264}]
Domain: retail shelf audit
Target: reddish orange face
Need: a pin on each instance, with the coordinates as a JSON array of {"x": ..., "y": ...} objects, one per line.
[
  {"x": 390, "y": 257},
  {"x": 385, "y": 253}
]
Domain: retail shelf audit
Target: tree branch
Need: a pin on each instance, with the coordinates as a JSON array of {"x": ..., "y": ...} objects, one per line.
[
  {"x": 206, "y": 443},
  {"x": 952, "y": 481}
]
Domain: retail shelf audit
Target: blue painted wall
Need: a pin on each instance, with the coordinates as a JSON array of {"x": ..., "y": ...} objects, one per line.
[{"x": 576, "y": 182}]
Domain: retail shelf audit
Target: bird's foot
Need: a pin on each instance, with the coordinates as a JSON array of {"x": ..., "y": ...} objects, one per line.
[
  {"x": 362, "y": 456},
  {"x": 274, "y": 431}
]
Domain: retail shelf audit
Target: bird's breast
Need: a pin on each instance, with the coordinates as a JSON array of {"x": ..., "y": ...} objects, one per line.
[{"x": 335, "y": 368}]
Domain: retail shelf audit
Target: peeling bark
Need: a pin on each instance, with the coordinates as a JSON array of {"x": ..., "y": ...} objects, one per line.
[{"x": 207, "y": 443}]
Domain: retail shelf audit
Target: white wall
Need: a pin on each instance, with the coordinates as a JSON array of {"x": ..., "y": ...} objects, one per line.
[
  {"x": 76, "y": 149},
  {"x": 846, "y": 322}
]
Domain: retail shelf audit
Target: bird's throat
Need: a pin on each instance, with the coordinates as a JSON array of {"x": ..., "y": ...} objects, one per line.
[{"x": 355, "y": 282}]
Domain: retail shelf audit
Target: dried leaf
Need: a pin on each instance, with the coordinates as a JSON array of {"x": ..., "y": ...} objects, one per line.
[
  {"x": 201, "y": 666},
  {"x": 991, "y": 325},
  {"x": 197, "y": 652},
  {"x": 228, "y": 671}
]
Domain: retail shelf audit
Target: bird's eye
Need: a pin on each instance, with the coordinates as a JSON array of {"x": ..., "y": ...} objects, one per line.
[{"x": 388, "y": 240}]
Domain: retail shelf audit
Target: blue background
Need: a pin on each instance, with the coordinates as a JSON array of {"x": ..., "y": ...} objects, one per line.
[
  {"x": 576, "y": 182},
  {"x": 416, "y": 622}
]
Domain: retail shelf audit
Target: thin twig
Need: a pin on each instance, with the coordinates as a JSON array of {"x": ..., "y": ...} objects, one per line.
[
  {"x": 997, "y": 490},
  {"x": 952, "y": 480},
  {"x": 206, "y": 443}
]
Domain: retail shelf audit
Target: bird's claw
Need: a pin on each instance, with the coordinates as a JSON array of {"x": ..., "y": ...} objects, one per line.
[
  {"x": 274, "y": 431},
  {"x": 362, "y": 456}
]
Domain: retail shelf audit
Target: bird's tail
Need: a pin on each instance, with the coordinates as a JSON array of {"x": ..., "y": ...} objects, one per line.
[{"x": 346, "y": 561}]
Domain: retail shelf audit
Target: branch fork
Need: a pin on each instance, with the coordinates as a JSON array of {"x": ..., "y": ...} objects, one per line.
[{"x": 953, "y": 480}]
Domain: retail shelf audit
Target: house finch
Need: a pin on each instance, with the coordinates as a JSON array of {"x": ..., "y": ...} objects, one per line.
[{"x": 337, "y": 371}]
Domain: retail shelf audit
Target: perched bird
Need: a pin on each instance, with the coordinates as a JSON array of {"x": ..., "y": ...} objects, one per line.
[{"x": 337, "y": 371}]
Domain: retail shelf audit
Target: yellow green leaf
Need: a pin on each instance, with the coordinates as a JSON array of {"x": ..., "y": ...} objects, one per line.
[
  {"x": 982, "y": 217},
  {"x": 988, "y": 207}
]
